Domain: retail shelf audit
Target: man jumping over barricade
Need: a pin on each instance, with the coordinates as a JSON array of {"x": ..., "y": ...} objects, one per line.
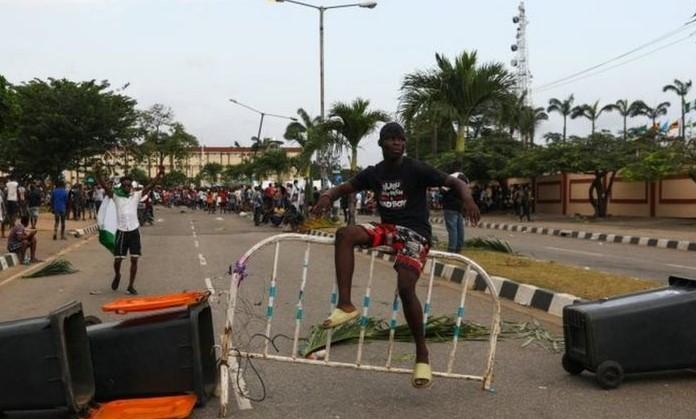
[
  {"x": 400, "y": 184},
  {"x": 127, "y": 233}
]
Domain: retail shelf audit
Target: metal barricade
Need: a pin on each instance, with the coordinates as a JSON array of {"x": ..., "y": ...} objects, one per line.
[{"x": 229, "y": 351}]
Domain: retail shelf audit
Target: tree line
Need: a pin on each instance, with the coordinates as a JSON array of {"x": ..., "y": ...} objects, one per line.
[
  {"x": 460, "y": 115},
  {"x": 463, "y": 115},
  {"x": 48, "y": 126}
]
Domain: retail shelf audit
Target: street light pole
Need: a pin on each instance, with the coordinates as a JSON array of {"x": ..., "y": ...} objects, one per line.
[
  {"x": 322, "y": 9},
  {"x": 263, "y": 114},
  {"x": 321, "y": 59},
  {"x": 258, "y": 136}
]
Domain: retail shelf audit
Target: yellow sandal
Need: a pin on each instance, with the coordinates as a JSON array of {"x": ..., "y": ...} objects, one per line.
[
  {"x": 422, "y": 375},
  {"x": 339, "y": 317}
]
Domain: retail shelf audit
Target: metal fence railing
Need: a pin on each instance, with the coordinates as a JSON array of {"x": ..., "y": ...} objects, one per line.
[{"x": 230, "y": 349}]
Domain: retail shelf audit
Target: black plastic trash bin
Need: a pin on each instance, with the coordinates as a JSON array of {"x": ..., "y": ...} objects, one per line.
[
  {"x": 155, "y": 355},
  {"x": 45, "y": 362},
  {"x": 641, "y": 332}
]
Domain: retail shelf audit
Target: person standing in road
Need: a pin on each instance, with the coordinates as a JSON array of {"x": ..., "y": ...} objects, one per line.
[
  {"x": 127, "y": 233},
  {"x": 525, "y": 208},
  {"x": 12, "y": 201},
  {"x": 59, "y": 206},
  {"x": 400, "y": 185},
  {"x": 452, "y": 207},
  {"x": 3, "y": 213},
  {"x": 98, "y": 197},
  {"x": 34, "y": 199}
]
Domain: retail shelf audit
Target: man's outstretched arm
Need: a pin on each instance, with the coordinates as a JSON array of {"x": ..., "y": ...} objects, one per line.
[
  {"x": 471, "y": 210},
  {"x": 328, "y": 197},
  {"x": 154, "y": 181},
  {"x": 100, "y": 180}
]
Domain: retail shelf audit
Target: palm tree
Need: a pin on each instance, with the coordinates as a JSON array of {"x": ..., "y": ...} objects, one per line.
[
  {"x": 641, "y": 108},
  {"x": 357, "y": 123},
  {"x": 314, "y": 136},
  {"x": 563, "y": 107},
  {"x": 529, "y": 119},
  {"x": 591, "y": 112},
  {"x": 266, "y": 143},
  {"x": 416, "y": 108},
  {"x": 681, "y": 89},
  {"x": 460, "y": 89},
  {"x": 211, "y": 171},
  {"x": 508, "y": 112},
  {"x": 625, "y": 109}
]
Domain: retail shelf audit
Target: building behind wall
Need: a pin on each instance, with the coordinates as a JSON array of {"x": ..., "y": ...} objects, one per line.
[{"x": 191, "y": 165}]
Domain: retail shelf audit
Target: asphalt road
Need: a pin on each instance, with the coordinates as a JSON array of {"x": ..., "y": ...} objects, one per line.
[{"x": 183, "y": 249}]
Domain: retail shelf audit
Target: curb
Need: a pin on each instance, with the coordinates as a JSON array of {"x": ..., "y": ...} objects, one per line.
[
  {"x": 8, "y": 261},
  {"x": 522, "y": 294},
  {"x": 83, "y": 231},
  {"x": 586, "y": 235}
]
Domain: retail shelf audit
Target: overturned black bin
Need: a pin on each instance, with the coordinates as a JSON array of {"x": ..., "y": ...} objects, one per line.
[
  {"x": 641, "y": 332},
  {"x": 45, "y": 362},
  {"x": 155, "y": 355}
]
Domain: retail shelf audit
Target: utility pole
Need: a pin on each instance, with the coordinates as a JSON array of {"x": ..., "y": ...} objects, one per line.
[{"x": 523, "y": 75}]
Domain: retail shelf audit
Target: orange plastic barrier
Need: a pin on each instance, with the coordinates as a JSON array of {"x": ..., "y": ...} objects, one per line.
[
  {"x": 172, "y": 407},
  {"x": 155, "y": 302}
]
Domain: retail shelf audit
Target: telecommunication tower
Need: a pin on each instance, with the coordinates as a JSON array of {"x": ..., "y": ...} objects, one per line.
[{"x": 521, "y": 60}]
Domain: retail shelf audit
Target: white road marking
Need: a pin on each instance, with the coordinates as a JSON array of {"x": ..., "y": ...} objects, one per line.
[
  {"x": 682, "y": 266},
  {"x": 209, "y": 285},
  {"x": 238, "y": 386},
  {"x": 194, "y": 234},
  {"x": 574, "y": 251},
  {"x": 219, "y": 218},
  {"x": 202, "y": 260},
  {"x": 192, "y": 227},
  {"x": 195, "y": 243}
]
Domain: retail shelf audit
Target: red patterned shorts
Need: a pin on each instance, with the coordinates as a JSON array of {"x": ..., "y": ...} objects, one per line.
[{"x": 411, "y": 248}]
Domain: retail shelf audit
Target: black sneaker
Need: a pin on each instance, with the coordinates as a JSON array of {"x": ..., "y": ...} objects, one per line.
[
  {"x": 132, "y": 291},
  {"x": 115, "y": 282}
]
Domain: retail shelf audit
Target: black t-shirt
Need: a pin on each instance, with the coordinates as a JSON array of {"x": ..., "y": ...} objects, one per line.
[
  {"x": 400, "y": 192},
  {"x": 34, "y": 198},
  {"x": 451, "y": 200}
]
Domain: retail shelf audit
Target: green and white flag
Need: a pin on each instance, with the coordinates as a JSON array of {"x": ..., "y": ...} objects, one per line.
[{"x": 107, "y": 223}]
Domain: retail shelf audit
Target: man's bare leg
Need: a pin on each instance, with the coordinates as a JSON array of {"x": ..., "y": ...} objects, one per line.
[
  {"x": 347, "y": 238},
  {"x": 413, "y": 311},
  {"x": 117, "y": 273},
  {"x": 133, "y": 273}
]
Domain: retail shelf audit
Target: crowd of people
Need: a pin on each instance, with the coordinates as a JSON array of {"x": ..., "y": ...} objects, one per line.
[
  {"x": 272, "y": 203},
  {"x": 517, "y": 199}
]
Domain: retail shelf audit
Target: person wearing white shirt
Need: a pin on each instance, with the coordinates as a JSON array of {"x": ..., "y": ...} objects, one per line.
[
  {"x": 2, "y": 215},
  {"x": 12, "y": 201},
  {"x": 127, "y": 233}
]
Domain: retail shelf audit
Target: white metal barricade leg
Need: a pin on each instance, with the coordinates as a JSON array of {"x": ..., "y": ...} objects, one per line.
[{"x": 230, "y": 350}]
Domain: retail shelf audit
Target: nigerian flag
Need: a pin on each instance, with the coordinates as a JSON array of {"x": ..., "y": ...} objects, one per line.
[{"x": 107, "y": 223}]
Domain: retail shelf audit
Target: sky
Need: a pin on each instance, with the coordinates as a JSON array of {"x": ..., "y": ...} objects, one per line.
[{"x": 194, "y": 55}]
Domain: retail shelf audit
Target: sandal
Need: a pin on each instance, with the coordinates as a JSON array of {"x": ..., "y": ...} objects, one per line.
[
  {"x": 422, "y": 375},
  {"x": 339, "y": 317}
]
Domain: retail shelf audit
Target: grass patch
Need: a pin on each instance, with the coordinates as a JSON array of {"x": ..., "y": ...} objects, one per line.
[{"x": 556, "y": 277}]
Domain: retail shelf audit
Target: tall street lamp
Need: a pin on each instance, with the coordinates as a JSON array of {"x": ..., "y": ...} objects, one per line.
[
  {"x": 322, "y": 9},
  {"x": 263, "y": 114}
]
